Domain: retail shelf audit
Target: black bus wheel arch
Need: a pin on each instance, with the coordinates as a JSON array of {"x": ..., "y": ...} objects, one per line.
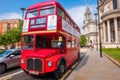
[{"x": 60, "y": 69}]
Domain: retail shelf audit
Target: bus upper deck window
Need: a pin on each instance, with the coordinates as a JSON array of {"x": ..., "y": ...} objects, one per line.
[
  {"x": 31, "y": 14},
  {"x": 60, "y": 12},
  {"x": 46, "y": 10}
]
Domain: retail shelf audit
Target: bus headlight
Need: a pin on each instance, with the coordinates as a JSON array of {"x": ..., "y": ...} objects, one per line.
[
  {"x": 50, "y": 64},
  {"x": 22, "y": 61}
]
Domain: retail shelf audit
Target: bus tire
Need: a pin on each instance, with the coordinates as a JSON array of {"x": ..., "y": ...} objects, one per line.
[{"x": 60, "y": 70}]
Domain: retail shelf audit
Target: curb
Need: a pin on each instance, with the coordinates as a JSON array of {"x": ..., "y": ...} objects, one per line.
[
  {"x": 75, "y": 65},
  {"x": 113, "y": 60}
]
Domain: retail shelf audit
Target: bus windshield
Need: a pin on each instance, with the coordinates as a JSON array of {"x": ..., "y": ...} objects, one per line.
[
  {"x": 57, "y": 44},
  {"x": 48, "y": 42},
  {"x": 28, "y": 42},
  {"x": 43, "y": 11},
  {"x": 32, "y": 13}
]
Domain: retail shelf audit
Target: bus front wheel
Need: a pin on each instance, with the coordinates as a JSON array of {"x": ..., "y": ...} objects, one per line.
[{"x": 60, "y": 70}]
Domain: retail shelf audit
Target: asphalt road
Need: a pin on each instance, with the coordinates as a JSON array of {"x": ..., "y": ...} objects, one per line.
[{"x": 18, "y": 74}]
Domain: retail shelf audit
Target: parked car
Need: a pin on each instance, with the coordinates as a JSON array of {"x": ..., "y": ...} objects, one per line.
[{"x": 9, "y": 59}]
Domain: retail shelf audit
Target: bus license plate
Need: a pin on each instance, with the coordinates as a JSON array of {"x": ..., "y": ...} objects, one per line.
[{"x": 34, "y": 72}]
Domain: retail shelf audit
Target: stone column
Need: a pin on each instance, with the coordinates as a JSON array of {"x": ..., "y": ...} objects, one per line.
[
  {"x": 108, "y": 31},
  {"x": 104, "y": 32},
  {"x": 116, "y": 30}
]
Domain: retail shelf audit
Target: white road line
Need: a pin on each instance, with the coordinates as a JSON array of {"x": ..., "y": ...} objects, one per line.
[{"x": 10, "y": 76}]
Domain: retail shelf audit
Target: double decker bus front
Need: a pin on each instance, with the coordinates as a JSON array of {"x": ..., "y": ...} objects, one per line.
[
  {"x": 40, "y": 18},
  {"x": 41, "y": 52}
]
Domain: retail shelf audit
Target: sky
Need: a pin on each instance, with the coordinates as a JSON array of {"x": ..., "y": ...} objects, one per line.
[{"x": 10, "y": 9}]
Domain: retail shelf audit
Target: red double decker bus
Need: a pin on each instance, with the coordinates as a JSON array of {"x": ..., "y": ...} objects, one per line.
[{"x": 50, "y": 40}]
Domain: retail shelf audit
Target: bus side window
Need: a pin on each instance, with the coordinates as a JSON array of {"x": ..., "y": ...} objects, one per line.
[
  {"x": 69, "y": 44},
  {"x": 76, "y": 44},
  {"x": 73, "y": 44},
  {"x": 60, "y": 12},
  {"x": 67, "y": 19}
]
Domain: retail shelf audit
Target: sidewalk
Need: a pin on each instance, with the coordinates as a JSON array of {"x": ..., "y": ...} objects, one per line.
[{"x": 95, "y": 68}]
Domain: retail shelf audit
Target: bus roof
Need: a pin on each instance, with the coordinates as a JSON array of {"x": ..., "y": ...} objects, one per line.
[
  {"x": 43, "y": 4},
  {"x": 49, "y": 3}
]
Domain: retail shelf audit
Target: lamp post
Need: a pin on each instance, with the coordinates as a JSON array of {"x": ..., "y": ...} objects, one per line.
[
  {"x": 100, "y": 45},
  {"x": 96, "y": 14},
  {"x": 22, "y": 9}
]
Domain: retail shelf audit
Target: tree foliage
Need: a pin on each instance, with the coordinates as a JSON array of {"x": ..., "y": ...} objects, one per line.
[
  {"x": 0, "y": 39},
  {"x": 11, "y": 36},
  {"x": 83, "y": 40}
]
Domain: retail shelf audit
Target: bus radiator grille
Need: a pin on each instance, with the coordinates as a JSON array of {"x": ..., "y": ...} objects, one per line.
[{"x": 34, "y": 64}]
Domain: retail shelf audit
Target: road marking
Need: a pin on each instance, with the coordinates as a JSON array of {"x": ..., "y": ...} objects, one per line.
[
  {"x": 69, "y": 71},
  {"x": 66, "y": 74},
  {"x": 75, "y": 65},
  {"x": 6, "y": 78},
  {"x": 10, "y": 76}
]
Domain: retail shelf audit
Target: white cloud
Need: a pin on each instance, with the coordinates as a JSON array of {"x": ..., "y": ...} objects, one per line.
[
  {"x": 77, "y": 13},
  {"x": 11, "y": 15}
]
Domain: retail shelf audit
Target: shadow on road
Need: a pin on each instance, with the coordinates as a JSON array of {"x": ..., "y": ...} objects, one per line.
[
  {"x": 10, "y": 71},
  {"x": 24, "y": 76},
  {"x": 48, "y": 76}
]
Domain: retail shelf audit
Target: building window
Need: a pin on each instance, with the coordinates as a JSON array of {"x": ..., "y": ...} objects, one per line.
[
  {"x": 15, "y": 25},
  {"x": 115, "y": 4},
  {"x": 17, "y": 21},
  {"x": 8, "y": 26},
  {"x": 118, "y": 24},
  {"x": 4, "y": 27}
]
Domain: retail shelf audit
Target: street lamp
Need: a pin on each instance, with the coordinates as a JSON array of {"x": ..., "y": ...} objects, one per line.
[
  {"x": 22, "y": 9},
  {"x": 96, "y": 14},
  {"x": 99, "y": 29}
]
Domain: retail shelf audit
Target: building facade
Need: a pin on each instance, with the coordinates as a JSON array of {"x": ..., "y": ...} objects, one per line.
[
  {"x": 90, "y": 29},
  {"x": 110, "y": 23},
  {"x": 6, "y": 25}
]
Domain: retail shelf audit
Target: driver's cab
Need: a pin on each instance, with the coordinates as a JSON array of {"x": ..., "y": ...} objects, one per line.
[{"x": 31, "y": 42}]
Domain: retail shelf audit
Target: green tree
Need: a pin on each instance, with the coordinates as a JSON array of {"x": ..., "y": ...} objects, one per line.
[
  {"x": 83, "y": 40},
  {"x": 11, "y": 36},
  {"x": 0, "y": 39}
]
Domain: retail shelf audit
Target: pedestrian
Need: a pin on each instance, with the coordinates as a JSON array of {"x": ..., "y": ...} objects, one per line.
[{"x": 91, "y": 47}]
